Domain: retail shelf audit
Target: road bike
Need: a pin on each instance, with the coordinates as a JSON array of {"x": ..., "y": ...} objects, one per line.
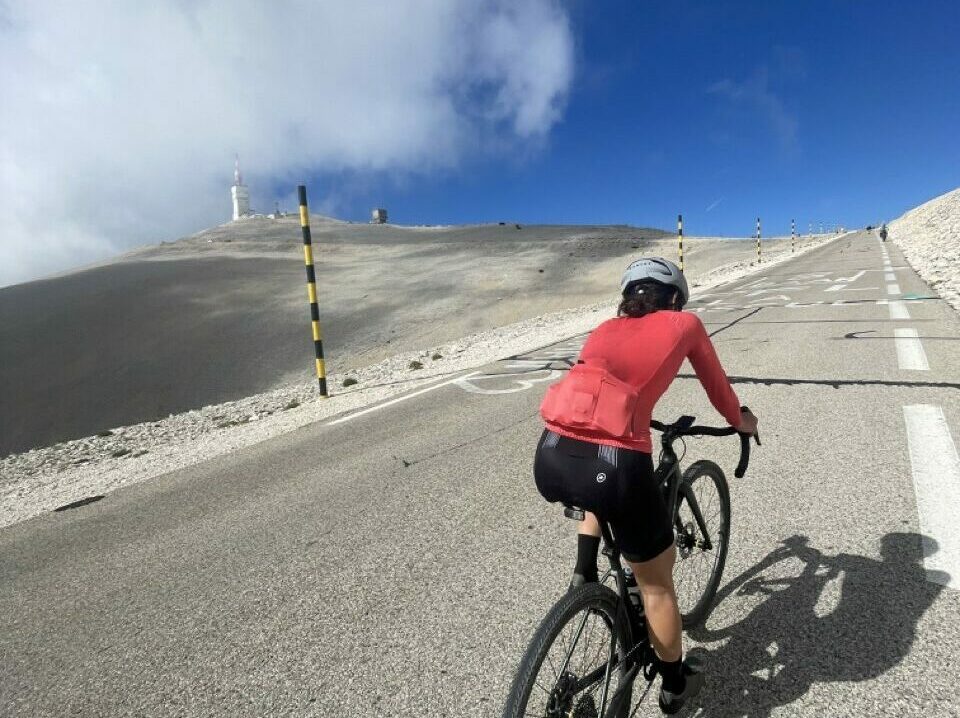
[{"x": 592, "y": 645}]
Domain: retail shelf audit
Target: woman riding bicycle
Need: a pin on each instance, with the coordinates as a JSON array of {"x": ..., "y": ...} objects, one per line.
[{"x": 595, "y": 451}]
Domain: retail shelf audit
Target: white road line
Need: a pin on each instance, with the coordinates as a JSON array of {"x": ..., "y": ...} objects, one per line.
[
  {"x": 910, "y": 352},
  {"x": 890, "y": 277},
  {"x": 397, "y": 400},
  {"x": 936, "y": 481},
  {"x": 893, "y": 289},
  {"x": 853, "y": 277},
  {"x": 898, "y": 310}
]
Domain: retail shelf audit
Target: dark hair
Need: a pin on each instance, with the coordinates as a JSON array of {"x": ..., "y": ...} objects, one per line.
[{"x": 645, "y": 297}]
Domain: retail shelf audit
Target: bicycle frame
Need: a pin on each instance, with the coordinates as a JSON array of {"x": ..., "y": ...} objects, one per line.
[
  {"x": 628, "y": 618},
  {"x": 668, "y": 477},
  {"x": 639, "y": 652}
]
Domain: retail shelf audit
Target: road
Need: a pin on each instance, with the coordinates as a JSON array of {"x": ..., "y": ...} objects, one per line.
[{"x": 395, "y": 562}]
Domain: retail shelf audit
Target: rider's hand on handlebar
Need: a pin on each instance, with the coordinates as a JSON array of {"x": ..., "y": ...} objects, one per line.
[{"x": 748, "y": 423}]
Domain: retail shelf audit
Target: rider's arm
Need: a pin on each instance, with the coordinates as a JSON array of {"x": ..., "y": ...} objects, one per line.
[{"x": 710, "y": 372}]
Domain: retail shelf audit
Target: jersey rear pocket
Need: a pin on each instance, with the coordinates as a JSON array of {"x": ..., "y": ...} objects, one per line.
[
  {"x": 616, "y": 404},
  {"x": 591, "y": 398}
]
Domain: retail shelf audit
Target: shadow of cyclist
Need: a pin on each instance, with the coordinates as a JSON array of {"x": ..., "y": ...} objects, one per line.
[{"x": 842, "y": 618}]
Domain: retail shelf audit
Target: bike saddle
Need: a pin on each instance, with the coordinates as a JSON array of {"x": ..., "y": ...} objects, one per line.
[{"x": 574, "y": 512}]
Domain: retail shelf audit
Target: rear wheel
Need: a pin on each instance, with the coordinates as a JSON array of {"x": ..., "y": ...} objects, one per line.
[
  {"x": 566, "y": 668},
  {"x": 702, "y": 527}
]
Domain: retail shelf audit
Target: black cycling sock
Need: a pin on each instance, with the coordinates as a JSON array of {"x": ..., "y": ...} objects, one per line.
[
  {"x": 587, "y": 547},
  {"x": 673, "y": 678}
]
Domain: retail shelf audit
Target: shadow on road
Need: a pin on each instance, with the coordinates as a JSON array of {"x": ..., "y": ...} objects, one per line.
[
  {"x": 815, "y": 618},
  {"x": 835, "y": 383}
]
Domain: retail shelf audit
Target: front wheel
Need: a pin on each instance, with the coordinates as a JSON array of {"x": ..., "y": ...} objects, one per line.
[
  {"x": 573, "y": 665},
  {"x": 702, "y": 528}
]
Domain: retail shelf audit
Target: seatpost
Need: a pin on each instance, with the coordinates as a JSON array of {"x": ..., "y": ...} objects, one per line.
[{"x": 609, "y": 548}]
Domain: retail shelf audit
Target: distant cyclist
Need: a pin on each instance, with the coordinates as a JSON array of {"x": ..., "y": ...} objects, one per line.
[
  {"x": 595, "y": 452},
  {"x": 883, "y": 232}
]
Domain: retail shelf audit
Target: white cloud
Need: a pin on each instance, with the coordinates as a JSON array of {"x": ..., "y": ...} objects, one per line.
[
  {"x": 119, "y": 120},
  {"x": 756, "y": 97}
]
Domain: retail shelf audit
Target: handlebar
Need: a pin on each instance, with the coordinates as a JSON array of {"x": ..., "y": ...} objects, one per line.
[{"x": 684, "y": 427}]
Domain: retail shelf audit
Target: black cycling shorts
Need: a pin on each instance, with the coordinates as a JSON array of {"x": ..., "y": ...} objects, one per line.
[{"x": 615, "y": 484}]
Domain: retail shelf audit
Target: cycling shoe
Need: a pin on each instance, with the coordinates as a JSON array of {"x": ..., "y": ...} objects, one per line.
[
  {"x": 671, "y": 703},
  {"x": 577, "y": 580}
]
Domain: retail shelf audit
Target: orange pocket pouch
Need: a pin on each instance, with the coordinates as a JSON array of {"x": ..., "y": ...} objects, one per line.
[{"x": 590, "y": 397}]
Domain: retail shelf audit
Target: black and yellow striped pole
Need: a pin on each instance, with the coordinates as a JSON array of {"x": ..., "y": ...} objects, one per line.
[
  {"x": 758, "y": 241},
  {"x": 312, "y": 291},
  {"x": 793, "y": 235},
  {"x": 680, "y": 238}
]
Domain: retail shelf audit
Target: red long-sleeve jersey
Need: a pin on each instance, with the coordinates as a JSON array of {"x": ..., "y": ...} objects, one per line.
[{"x": 647, "y": 353}]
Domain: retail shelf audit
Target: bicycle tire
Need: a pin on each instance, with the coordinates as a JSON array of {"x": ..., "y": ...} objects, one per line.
[
  {"x": 591, "y": 597},
  {"x": 694, "y": 612}
]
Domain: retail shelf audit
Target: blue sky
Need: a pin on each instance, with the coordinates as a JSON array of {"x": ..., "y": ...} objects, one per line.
[{"x": 844, "y": 112}]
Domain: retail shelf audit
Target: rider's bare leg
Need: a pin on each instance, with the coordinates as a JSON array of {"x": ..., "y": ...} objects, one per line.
[
  {"x": 655, "y": 578},
  {"x": 589, "y": 526}
]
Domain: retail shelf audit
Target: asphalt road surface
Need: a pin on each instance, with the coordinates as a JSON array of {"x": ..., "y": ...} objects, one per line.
[{"x": 395, "y": 562}]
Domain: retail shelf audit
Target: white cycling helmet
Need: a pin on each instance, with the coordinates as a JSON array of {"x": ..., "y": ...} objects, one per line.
[{"x": 656, "y": 269}]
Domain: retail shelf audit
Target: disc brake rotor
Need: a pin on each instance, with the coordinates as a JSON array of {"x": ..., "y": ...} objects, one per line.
[{"x": 686, "y": 540}]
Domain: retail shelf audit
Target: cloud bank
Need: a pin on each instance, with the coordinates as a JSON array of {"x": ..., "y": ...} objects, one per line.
[{"x": 119, "y": 121}]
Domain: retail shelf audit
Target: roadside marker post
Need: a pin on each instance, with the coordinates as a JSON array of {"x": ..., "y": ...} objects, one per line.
[
  {"x": 680, "y": 238},
  {"x": 312, "y": 291},
  {"x": 793, "y": 235},
  {"x": 758, "y": 241}
]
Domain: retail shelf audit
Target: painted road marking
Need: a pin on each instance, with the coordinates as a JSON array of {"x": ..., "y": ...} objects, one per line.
[
  {"x": 910, "y": 352},
  {"x": 936, "y": 481},
  {"x": 890, "y": 277},
  {"x": 898, "y": 310},
  {"x": 397, "y": 400},
  {"x": 470, "y": 383},
  {"x": 893, "y": 288},
  {"x": 737, "y": 307}
]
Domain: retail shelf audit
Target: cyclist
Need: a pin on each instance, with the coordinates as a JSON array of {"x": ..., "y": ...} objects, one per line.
[
  {"x": 883, "y": 232},
  {"x": 595, "y": 451}
]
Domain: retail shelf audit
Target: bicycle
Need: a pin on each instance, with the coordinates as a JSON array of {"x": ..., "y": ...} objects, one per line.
[{"x": 624, "y": 650}]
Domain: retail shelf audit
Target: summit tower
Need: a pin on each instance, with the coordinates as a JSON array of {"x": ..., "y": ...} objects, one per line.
[{"x": 240, "y": 193}]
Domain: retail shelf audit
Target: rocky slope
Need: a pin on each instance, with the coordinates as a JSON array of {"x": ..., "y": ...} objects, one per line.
[{"x": 929, "y": 236}]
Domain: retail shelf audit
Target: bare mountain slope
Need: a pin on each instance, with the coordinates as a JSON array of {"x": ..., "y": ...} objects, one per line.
[{"x": 222, "y": 314}]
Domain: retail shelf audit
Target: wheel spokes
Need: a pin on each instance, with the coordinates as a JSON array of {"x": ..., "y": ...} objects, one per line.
[
  {"x": 701, "y": 534},
  {"x": 580, "y": 650}
]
